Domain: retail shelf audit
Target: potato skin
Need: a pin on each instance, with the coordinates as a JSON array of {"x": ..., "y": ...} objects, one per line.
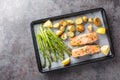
[
  {"x": 62, "y": 28},
  {"x": 56, "y": 25},
  {"x": 70, "y": 22},
  {"x": 90, "y": 28},
  {"x": 71, "y": 34},
  {"x": 90, "y": 20},
  {"x": 48, "y": 24},
  {"x": 63, "y": 23},
  {"x": 64, "y": 36},
  {"x": 97, "y": 21},
  {"x": 58, "y": 33},
  {"x": 80, "y": 27},
  {"x": 85, "y": 18},
  {"x": 79, "y": 21},
  {"x": 71, "y": 28}
]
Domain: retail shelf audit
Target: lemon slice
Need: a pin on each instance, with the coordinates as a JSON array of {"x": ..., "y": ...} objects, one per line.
[
  {"x": 66, "y": 61},
  {"x": 101, "y": 30},
  {"x": 105, "y": 49}
]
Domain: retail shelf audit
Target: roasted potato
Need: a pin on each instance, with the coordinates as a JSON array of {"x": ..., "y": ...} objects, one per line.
[
  {"x": 71, "y": 34},
  {"x": 90, "y": 28},
  {"x": 97, "y": 21},
  {"x": 85, "y": 18},
  {"x": 48, "y": 24},
  {"x": 70, "y": 22},
  {"x": 58, "y": 33},
  {"x": 79, "y": 21},
  {"x": 71, "y": 28},
  {"x": 90, "y": 20},
  {"x": 63, "y": 23},
  {"x": 64, "y": 36},
  {"x": 56, "y": 25},
  {"x": 80, "y": 27},
  {"x": 62, "y": 28}
]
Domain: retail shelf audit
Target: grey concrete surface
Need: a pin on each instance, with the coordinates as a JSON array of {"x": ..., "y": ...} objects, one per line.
[{"x": 17, "y": 58}]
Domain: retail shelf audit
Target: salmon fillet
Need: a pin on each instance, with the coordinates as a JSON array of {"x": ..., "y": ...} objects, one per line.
[
  {"x": 88, "y": 49},
  {"x": 84, "y": 39}
]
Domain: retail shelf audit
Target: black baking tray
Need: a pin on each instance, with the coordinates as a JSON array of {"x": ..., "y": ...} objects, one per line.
[{"x": 67, "y": 16}]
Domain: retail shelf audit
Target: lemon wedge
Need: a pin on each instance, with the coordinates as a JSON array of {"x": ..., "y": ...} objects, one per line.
[
  {"x": 101, "y": 30},
  {"x": 105, "y": 49},
  {"x": 66, "y": 61}
]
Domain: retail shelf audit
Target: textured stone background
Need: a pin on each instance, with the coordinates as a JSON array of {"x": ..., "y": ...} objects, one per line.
[{"x": 17, "y": 58}]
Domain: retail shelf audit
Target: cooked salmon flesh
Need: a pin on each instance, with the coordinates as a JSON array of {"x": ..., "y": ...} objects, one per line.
[
  {"x": 88, "y": 49},
  {"x": 84, "y": 39}
]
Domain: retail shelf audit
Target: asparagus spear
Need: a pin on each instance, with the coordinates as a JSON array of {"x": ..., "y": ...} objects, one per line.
[{"x": 42, "y": 50}]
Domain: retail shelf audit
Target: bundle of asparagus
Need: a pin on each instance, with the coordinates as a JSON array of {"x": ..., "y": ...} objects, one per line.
[{"x": 51, "y": 47}]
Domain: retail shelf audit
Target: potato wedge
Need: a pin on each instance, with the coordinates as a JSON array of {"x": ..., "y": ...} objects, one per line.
[
  {"x": 85, "y": 18},
  {"x": 90, "y": 28},
  {"x": 48, "y": 24},
  {"x": 64, "y": 36},
  {"x": 80, "y": 27},
  {"x": 63, "y": 23},
  {"x": 90, "y": 20},
  {"x": 58, "y": 33},
  {"x": 71, "y": 28},
  {"x": 79, "y": 21},
  {"x": 70, "y": 22},
  {"x": 62, "y": 28},
  {"x": 97, "y": 21},
  {"x": 56, "y": 25},
  {"x": 71, "y": 34}
]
